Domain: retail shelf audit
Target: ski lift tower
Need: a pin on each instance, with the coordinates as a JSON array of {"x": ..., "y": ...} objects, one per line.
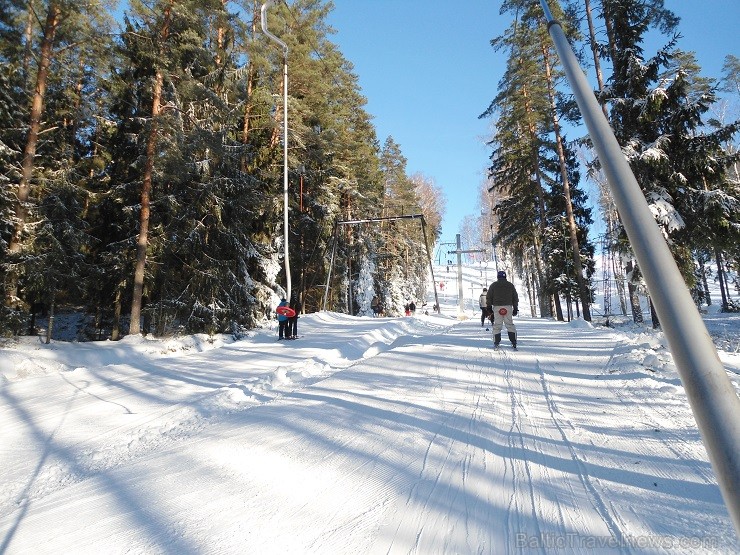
[{"x": 459, "y": 252}]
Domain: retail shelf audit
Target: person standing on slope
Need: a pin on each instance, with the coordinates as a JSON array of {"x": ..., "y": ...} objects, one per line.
[
  {"x": 283, "y": 323},
  {"x": 375, "y": 305},
  {"x": 503, "y": 299},
  {"x": 293, "y": 320},
  {"x": 483, "y": 303}
]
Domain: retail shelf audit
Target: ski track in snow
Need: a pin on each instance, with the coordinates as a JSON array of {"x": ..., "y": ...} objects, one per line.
[
  {"x": 538, "y": 431},
  {"x": 427, "y": 442},
  {"x": 671, "y": 451},
  {"x": 597, "y": 501}
]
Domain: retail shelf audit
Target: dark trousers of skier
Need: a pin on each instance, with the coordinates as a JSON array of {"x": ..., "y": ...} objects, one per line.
[
  {"x": 283, "y": 328},
  {"x": 293, "y": 327}
]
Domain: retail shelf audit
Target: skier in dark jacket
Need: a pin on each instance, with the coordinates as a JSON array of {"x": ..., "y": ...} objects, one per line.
[
  {"x": 293, "y": 320},
  {"x": 503, "y": 300}
]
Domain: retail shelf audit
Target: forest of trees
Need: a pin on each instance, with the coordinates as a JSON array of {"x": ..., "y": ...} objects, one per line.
[
  {"x": 142, "y": 164},
  {"x": 668, "y": 120},
  {"x": 142, "y": 168}
]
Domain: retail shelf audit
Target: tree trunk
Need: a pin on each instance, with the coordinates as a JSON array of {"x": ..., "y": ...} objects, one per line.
[
  {"x": 653, "y": 315},
  {"x": 73, "y": 124},
  {"x": 248, "y": 106},
  {"x": 220, "y": 56},
  {"x": 529, "y": 277},
  {"x": 721, "y": 276},
  {"x": 28, "y": 39},
  {"x": 704, "y": 284},
  {"x": 53, "y": 18},
  {"x": 115, "y": 333},
  {"x": 146, "y": 187},
  {"x": 595, "y": 52},
  {"x": 558, "y": 309},
  {"x": 276, "y": 135},
  {"x": 532, "y": 293},
  {"x": 50, "y": 327},
  {"x": 619, "y": 279},
  {"x": 609, "y": 32},
  {"x": 247, "y": 116}
]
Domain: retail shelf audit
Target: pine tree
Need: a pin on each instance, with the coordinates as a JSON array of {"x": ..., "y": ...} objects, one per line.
[
  {"x": 334, "y": 160},
  {"x": 583, "y": 289},
  {"x": 519, "y": 144},
  {"x": 66, "y": 44},
  {"x": 626, "y": 23},
  {"x": 558, "y": 243},
  {"x": 49, "y": 29}
]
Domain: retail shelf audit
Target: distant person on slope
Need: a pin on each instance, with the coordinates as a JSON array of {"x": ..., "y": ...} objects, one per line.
[
  {"x": 376, "y": 305},
  {"x": 483, "y": 303},
  {"x": 504, "y": 301}
]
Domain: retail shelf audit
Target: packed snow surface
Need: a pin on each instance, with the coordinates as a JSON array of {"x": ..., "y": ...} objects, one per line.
[{"x": 365, "y": 435}]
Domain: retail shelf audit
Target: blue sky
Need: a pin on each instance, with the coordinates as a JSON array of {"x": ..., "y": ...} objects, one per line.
[{"x": 427, "y": 70}]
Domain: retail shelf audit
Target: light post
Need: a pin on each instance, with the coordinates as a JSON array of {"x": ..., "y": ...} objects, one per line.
[{"x": 285, "y": 141}]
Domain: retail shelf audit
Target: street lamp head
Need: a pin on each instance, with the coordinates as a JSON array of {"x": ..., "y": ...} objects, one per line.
[{"x": 264, "y": 26}]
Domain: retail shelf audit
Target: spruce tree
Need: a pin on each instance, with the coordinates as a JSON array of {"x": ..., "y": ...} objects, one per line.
[
  {"x": 402, "y": 238},
  {"x": 11, "y": 140},
  {"x": 524, "y": 120},
  {"x": 658, "y": 110}
]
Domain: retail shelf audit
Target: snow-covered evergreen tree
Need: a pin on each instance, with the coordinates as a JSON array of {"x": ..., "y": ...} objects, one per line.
[
  {"x": 365, "y": 287},
  {"x": 395, "y": 293},
  {"x": 206, "y": 232}
]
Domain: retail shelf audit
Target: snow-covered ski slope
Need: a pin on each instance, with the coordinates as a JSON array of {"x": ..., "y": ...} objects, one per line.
[{"x": 367, "y": 435}]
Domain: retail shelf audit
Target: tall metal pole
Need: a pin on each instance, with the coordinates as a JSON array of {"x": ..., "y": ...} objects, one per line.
[
  {"x": 712, "y": 398},
  {"x": 460, "y": 294},
  {"x": 285, "y": 141},
  {"x": 431, "y": 266},
  {"x": 331, "y": 265}
]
